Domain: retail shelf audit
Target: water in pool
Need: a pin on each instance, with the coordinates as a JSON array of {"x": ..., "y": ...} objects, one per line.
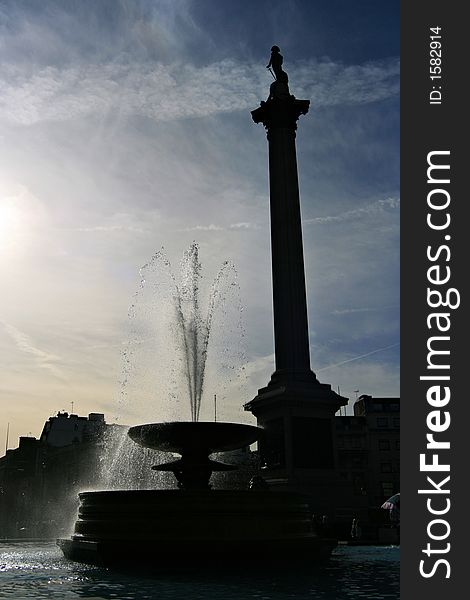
[{"x": 32, "y": 570}]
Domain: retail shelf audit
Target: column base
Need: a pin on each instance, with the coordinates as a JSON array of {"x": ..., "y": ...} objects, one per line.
[
  {"x": 289, "y": 389},
  {"x": 282, "y": 377}
]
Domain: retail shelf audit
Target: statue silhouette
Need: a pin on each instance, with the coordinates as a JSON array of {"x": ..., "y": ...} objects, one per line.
[
  {"x": 279, "y": 88},
  {"x": 275, "y": 62}
]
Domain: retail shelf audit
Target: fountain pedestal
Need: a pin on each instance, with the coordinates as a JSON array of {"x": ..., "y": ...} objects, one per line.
[{"x": 195, "y": 442}]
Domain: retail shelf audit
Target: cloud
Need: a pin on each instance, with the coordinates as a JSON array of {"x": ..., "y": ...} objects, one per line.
[
  {"x": 179, "y": 90},
  {"x": 108, "y": 228},
  {"x": 357, "y": 213},
  {"x": 127, "y": 222},
  {"x": 232, "y": 226},
  {"x": 43, "y": 359},
  {"x": 331, "y": 83},
  {"x": 244, "y": 226},
  {"x": 210, "y": 227}
]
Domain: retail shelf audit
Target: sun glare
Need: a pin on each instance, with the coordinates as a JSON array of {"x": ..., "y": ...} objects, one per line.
[
  {"x": 12, "y": 218},
  {"x": 9, "y": 216}
]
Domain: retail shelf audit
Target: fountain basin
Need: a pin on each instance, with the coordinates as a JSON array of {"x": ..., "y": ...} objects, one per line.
[
  {"x": 194, "y": 437},
  {"x": 168, "y": 527}
]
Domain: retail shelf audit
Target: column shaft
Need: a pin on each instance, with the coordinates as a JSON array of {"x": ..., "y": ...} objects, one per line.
[{"x": 289, "y": 294}]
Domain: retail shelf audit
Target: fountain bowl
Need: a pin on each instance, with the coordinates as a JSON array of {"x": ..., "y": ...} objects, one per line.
[
  {"x": 195, "y": 441},
  {"x": 194, "y": 437}
]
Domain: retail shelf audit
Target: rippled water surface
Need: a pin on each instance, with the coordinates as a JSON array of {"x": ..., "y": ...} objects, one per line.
[{"x": 38, "y": 570}]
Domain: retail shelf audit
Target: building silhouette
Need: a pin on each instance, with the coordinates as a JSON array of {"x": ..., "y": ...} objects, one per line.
[
  {"x": 40, "y": 479},
  {"x": 368, "y": 455}
]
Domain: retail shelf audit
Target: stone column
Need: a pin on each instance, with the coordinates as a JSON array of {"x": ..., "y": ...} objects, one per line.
[{"x": 291, "y": 338}]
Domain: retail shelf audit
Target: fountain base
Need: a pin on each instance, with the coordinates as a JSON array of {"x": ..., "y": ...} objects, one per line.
[{"x": 176, "y": 527}]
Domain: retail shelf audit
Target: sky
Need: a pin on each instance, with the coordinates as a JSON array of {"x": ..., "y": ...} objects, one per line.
[{"x": 125, "y": 128}]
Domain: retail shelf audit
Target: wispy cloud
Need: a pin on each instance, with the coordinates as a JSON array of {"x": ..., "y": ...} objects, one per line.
[
  {"x": 330, "y": 83},
  {"x": 175, "y": 91},
  {"x": 43, "y": 359},
  {"x": 109, "y": 228},
  {"x": 210, "y": 227},
  {"x": 232, "y": 226},
  {"x": 124, "y": 222},
  {"x": 357, "y": 213},
  {"x": 244, "y": 225}
]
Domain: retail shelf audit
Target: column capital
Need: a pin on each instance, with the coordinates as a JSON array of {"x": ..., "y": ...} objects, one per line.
[{"x": 280, "y": 113}]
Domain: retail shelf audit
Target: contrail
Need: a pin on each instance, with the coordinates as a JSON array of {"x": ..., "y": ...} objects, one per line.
[{"x": 358, "y": 357}]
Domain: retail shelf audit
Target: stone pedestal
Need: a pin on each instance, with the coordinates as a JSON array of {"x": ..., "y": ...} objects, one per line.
[
  {"x": 164, "y": 528},
  {"x": 298, "y": 449}
]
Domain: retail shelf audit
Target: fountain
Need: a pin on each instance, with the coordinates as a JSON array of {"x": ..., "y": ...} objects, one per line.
[{"x": 193, "y": 523}]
